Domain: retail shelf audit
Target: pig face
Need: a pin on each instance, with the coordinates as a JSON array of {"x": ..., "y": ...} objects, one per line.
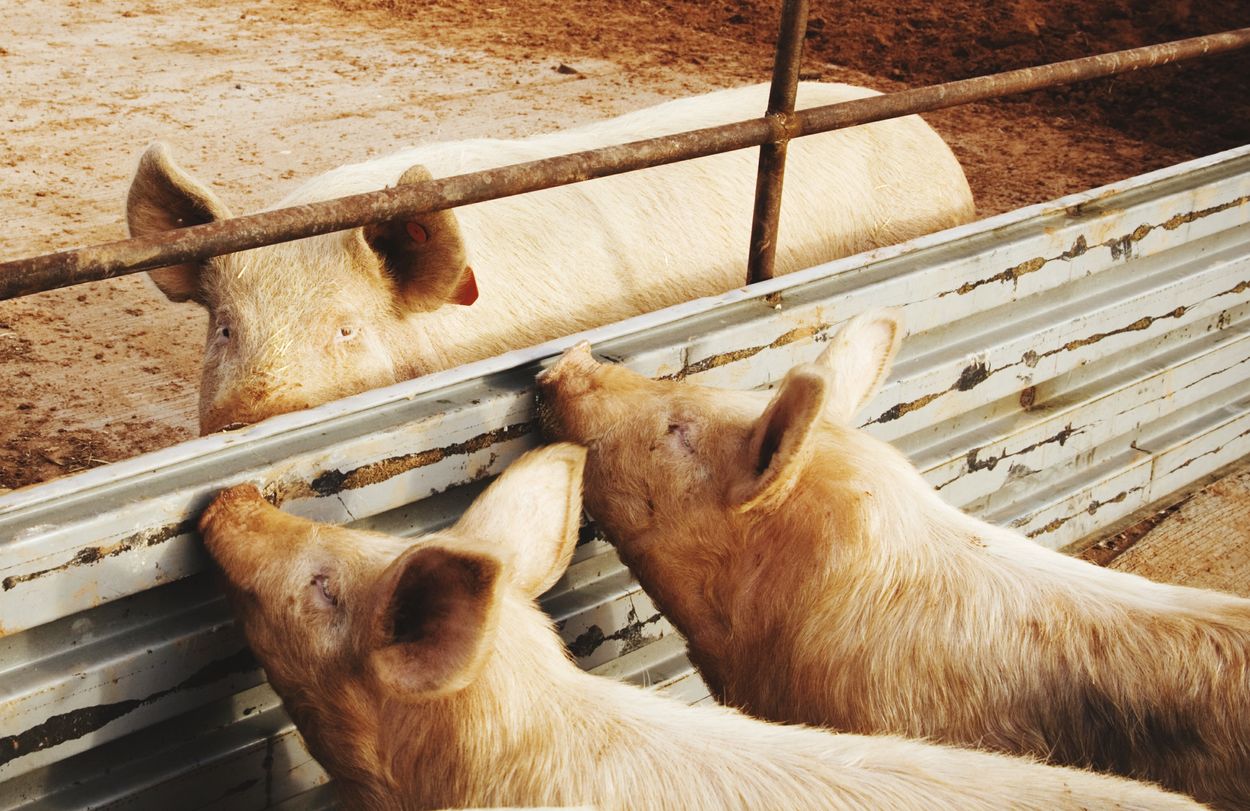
[
  {"x": 344, "y": 620},
  {"x": 298, "y": 324},
  {"x": 666, "y": 458}
]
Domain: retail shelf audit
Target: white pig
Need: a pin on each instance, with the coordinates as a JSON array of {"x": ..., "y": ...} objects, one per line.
[
  {"x": 422, "y": 674},
  {"x": 298, "y": 324},
  {"x": 781, "y": 539}
]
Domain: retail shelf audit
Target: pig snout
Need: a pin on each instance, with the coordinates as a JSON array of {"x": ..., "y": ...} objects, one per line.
[
  {"x": 245, "y": 408},
  {"x": 232, "y": 509},
  {"x": 573, "y": 369},
  {"x": 246, "y": 536},
  {"x": 561, "y": 392}
]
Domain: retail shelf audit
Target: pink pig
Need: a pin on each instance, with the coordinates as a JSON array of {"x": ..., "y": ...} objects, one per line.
[
  {"x": 819, "y": 579},
  {"x": 298, "y": 324}
]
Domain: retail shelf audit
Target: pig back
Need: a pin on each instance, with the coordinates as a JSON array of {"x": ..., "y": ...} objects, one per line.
[{"x": 574, "y": 257}]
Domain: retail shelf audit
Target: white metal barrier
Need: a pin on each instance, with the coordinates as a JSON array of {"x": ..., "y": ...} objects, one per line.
[{"x": 1067, "y": 364}]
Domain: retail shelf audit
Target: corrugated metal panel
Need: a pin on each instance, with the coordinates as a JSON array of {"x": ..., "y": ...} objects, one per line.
[{"x": 1068, "y": 364}]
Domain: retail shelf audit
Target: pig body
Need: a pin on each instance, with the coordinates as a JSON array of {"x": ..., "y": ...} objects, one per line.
[
  {"x": 777, "y": 537},
  {"x": 424, "y": 675},
  {"x": 298, "y": 324}
]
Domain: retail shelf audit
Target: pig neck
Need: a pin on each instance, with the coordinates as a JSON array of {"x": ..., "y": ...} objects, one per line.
[
  {"x": 534, "y": 729},
  {"x": 1054, "y": 625},
  {"x": 901, "y": 527},
  {"x": 695, "y": 572}
]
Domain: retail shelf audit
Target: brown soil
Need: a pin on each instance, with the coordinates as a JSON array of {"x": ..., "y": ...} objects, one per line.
[{"x": 254, "y": 97}]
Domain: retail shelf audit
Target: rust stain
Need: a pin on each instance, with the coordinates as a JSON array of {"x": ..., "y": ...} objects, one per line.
[
  {"x": 1017, "y": 472},
  {"x": 1094, "y": 507},
  {"x": 1079, "y": 248},
  {"x": 972, "y": 463},
  {"x": 331, "y": 482},
  {"x": 1031, "y": 357},
  {"x": 1193, "y": 459},
  {"x": 74, "y": 724},
  {"x": 973, "y": 375},
  {"x": 978, "y": 372},
  {"x": 896, "y": 411},
  {"x": 1216, "y": 373},
  {"x": 588, "y": 641},
  {"x": 1121, "y": 247},
  {"x": 93, "y": 554},
  {"x": 1108, "y": 549},
  {"x": 1137, "y": 326},
  {"x": 813, "y": 331},
  {"x": 1011, "y": 274},
  {"x": 1028, "y": 396},
  {"x": 1184, "y": 219}
]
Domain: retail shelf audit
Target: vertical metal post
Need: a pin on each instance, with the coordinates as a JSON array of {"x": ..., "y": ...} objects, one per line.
[{"x": 772, "y": 167}]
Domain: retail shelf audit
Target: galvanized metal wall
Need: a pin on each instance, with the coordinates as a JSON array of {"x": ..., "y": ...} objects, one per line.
[{"x": 1068, "y": 364}]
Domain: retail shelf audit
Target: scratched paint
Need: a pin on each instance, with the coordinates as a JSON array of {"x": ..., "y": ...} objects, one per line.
[
  {"x": 331, "y": 482},
  {"x": 89, "y": 555},
  {"x": 68, "y": 726}
]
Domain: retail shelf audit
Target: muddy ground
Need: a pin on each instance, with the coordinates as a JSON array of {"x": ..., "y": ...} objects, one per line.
[{"x": 255, "y": 96}]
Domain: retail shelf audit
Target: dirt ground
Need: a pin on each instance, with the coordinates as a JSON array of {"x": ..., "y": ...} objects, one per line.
[{"x": 256, "y": 96}]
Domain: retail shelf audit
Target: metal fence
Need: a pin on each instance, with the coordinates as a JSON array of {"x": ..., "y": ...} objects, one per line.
[{"x": 1068, "y": 364}]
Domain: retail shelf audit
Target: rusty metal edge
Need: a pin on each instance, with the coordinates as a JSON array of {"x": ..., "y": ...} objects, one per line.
[{"x": 772, "y": 165}]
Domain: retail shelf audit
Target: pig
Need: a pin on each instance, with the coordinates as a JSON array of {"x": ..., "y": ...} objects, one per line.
[
  {"x": 778, "y": 537},
  {"x": 297, "y": 324},
  {"x": 423, "y": 674}
]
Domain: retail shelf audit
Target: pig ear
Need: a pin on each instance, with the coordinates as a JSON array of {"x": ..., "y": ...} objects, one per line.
[
  {"x": 425, "y": 255},
  {"x": 781, "y": 439},
  {"x": 531, "y": 514},
  {"x": 164, "y": 197},
  {"x": 434, "y": 618},
  {"x": 859, "y": 359}
]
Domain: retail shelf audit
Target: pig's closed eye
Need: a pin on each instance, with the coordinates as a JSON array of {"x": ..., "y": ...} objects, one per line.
[
  {"x": 323, "y": 592},
  {"x": 680, "y": 433}
]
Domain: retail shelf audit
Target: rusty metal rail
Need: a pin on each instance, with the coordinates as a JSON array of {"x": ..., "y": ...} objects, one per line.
[
  {"x": 51, "y": 271},
  {"x": 772, "y": 167}
]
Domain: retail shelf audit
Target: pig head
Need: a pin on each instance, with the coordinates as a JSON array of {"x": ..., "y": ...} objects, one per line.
[
  {"x": 379, "y": 646},
  {"x": 297, "y": 324},
  {"x": 697, "y": 486}
]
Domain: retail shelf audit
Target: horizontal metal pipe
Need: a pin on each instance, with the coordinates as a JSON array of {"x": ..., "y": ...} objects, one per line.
[
  {"x": 770, "y": 174},
  {"x": 50, "y": 271}
]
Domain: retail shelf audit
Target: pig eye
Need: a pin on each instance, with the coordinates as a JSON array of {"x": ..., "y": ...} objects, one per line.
[
  {"x": 323, "y": 592},
  {"x": 680, "y": 433},
  {"x": 345, "y": 334},
  {"x": 223, "y": 334}
]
